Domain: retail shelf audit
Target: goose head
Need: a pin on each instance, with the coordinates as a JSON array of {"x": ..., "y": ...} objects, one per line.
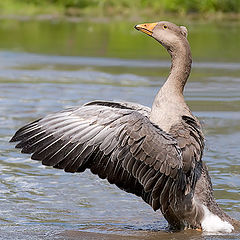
[{"x": 167, "y": 34}]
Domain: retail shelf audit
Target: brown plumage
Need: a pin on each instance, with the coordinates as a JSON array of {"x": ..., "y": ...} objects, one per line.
[{"x": 153, "y": 153}]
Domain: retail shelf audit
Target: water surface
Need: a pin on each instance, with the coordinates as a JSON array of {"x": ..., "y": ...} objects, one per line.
[{"x": 46, "y": 66}]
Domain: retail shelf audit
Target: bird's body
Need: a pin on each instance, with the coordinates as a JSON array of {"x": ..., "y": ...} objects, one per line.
[{"x": 154, "y": 153}]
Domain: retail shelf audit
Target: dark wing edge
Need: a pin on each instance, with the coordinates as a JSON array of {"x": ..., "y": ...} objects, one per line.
[
  {"x": 190, "y": 139},
  {"x": 118, "y": 144},
  {"x": 144, "y": 110}
]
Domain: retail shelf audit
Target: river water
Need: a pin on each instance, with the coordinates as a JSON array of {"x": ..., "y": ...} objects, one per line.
[{"x": 49, "y": 65}]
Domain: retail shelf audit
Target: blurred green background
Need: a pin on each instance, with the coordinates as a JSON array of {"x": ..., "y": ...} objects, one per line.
[
  {"x": 128, "y": 8},
  {"x": 210, "y": 41}
]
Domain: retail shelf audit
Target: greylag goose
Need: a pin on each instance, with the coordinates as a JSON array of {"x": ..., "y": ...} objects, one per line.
[{"x": 154, "y": 153}]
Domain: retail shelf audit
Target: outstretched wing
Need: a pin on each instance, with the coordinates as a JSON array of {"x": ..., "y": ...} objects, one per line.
[{"x": 114, "y": 140}]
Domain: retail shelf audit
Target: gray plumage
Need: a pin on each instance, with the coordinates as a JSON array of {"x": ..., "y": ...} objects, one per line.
[{"x": 117, "y": 143}]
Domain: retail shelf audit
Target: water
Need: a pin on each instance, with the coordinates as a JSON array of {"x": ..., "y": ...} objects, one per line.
[{"x": 46, "y": 66}]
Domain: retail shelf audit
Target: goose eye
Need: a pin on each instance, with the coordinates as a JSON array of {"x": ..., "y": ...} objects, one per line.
[{"x": 165, "y": 26}]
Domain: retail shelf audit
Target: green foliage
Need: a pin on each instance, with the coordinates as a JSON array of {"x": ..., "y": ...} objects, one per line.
[
  {"x": 117, "y": 6},
  {"x": 188, "y": 6}
]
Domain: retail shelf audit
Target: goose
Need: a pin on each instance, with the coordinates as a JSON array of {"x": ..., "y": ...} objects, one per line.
[{"x": 154, "y": 153}]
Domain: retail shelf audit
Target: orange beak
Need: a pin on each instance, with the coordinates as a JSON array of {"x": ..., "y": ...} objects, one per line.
[{"x": 146, "y": 28}]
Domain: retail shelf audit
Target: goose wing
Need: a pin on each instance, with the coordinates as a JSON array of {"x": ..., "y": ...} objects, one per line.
[
  {"x": 117, "y": 142},
  {"x": 189, "y": 136}
]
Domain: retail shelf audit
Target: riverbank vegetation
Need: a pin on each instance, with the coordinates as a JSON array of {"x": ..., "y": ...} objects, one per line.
[{"x": 120, "y": 8}]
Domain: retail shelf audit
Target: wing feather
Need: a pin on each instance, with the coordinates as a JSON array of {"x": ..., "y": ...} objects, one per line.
[{"x": 118, "y": 142}]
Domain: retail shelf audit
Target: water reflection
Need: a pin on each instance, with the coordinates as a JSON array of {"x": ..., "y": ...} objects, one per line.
[{"x": 116, "y": 39}]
